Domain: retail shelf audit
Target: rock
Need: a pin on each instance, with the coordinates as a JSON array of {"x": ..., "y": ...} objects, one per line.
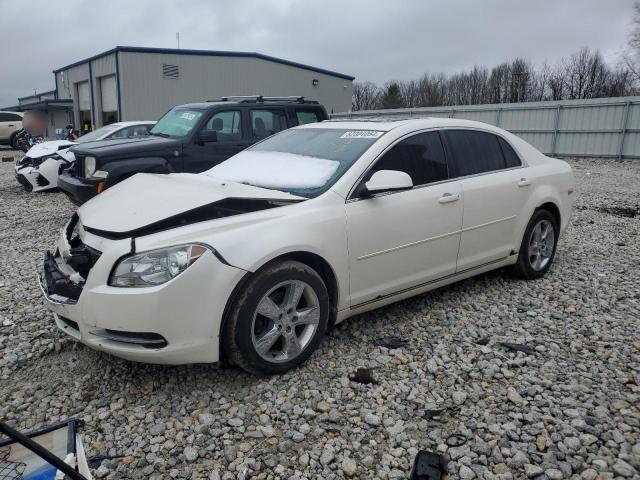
[
  {"x": 323, "y": 406},
  {"x": 328, "y": 455},
  {"x": 349, "y": 466},
  {"x": 554, "y": 474},
  {"x": 459, "y": 397},
  {"x": 514, "y": 397},
  {"x": 372, "y": 419},
  {"x": 541, "y": 443},
  {"x": 465, "y": 473},
  {"x": 102, "y": 471},
  {"x": 623, "y": 469},
  {"x": 532, "y": 470},
  {"x": 235, "y": 422},
  {"x": 589, "y": 474},
  {"x": 190, "y": 453}
]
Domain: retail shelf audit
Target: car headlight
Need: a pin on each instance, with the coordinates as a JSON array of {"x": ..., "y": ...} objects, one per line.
[
  {"x": 89, "y": 166},
  {"x": 155, "y": 267}
]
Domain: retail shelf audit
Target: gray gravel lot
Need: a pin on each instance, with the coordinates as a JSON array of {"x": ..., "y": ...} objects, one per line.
[{"x": 571, "y": 409}]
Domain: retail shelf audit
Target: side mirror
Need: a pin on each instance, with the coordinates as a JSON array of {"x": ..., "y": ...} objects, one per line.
[
  {"x": 388, "y": 181},
  {"x": 207, "y": 136}
]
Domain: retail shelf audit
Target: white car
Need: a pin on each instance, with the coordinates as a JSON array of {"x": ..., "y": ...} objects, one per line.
[
  {"x": 10, "y": 123},
  {"x": 38, "y": 170},
  {"x": 256, "y": 257}
]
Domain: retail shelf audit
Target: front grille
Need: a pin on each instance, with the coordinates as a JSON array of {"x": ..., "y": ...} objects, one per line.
[{"x": 79, "y": 167}]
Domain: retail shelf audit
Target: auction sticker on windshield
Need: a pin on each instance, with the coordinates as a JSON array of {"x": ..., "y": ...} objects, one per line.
[
  {"x": 362, "y": 134},
  {"x": 188, "y": 116}
]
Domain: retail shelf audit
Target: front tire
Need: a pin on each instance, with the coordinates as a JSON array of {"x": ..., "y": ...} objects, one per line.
[
  {"x": 538, "y": 247},
  {"x": 278, "y": 319}
]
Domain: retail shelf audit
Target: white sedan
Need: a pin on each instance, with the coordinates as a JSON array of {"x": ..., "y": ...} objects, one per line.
[
  {"x": 38, "y": 170},
  {"x": 254, "y": 259}
]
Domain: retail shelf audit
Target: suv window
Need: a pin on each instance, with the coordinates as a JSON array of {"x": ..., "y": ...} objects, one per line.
[
  {"x": 228, "y": 124},
  {"x": 510, "y": 156},
  {"x": 474, "y": 151},
  {"x": 307, "y": 116},
  {"x": 421, "y": 156},
  {"x": 267, "y": 122}
]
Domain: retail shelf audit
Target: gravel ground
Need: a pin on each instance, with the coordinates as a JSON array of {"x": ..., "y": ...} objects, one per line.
[{"x": 568, "y": 409}]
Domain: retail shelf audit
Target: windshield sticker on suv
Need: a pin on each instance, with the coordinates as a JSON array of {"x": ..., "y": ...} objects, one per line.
[
  {"x": 188, "y": 116},
  {"x": 362, "y": 134}
]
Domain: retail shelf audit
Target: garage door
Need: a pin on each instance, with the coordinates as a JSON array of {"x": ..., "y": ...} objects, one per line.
[
  {"x": 108, "y": 93},
  {"x": 83, "y": 96}
]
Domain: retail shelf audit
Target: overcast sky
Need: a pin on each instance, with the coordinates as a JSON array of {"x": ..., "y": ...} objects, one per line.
[{"x": 374, "y": 40}]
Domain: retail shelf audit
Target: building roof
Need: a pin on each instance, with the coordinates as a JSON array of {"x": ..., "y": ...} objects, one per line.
[
  {"x": 207, "y": 53},
  {"x": 37, "y": 95},
  {"x": 41, "y": 105}
]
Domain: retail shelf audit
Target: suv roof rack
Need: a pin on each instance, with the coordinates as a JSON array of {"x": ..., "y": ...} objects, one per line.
[{"x": 263, "y": 99}]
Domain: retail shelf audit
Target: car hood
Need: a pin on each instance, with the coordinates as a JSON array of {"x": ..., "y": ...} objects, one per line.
[
  {"x": 125, "y": 147},
  {"x": 148, "y": 203},
  {"x": 47, "y": 148}
]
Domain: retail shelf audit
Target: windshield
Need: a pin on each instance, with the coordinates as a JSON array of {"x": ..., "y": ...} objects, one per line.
[
  {"x": 304, "y": 162},
  {"x": 177, "y": 122},
  {"x": 98, "y": 134}
]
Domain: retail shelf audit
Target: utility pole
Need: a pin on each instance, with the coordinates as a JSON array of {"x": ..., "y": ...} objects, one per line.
[{"x": 178, "y": 39}]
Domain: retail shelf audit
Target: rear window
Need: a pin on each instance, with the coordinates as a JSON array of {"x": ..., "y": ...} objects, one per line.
[
  {"x": 307, "y": 116},
  {"x": 475, "y": 152}
]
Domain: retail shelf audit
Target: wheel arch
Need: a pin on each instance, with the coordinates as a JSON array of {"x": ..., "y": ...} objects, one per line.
[
  {"x": 320, "y": 265},
  {"x": 553, "y": 209}
]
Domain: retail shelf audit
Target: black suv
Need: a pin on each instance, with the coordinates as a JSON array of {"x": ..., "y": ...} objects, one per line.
[{"x": 188, "y": 138}]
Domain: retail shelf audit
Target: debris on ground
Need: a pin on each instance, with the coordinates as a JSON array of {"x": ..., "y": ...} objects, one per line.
[
  {"x": 518, "y": 347},
  {"x": 363, "y": 375},
  {"x": 391, "y": 342},
  {"x": 428, "y": 466}
]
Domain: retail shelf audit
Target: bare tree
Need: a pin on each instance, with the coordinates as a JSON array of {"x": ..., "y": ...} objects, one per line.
[{"x": 366, "y": 96}]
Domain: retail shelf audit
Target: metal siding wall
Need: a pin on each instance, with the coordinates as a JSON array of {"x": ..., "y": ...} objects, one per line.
[
  {"x": 146, "y": 95},
  {"x": 603, "y": 127},
  {"x": 101, "y": 67}
]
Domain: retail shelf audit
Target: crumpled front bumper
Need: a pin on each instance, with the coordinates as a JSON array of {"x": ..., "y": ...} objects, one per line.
[{"x": 174, "y": 323}]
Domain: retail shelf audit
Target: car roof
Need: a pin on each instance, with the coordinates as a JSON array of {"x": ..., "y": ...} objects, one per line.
[
  {"x": 388, "y": 124},
  {"x": 245, "y": 103}
]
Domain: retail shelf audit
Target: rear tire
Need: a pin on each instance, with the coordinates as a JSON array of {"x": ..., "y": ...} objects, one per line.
[
  {"x": 538, "y": 247},
  {"x": 278, "y": 319},
  {"x": 12, "y": 139}
]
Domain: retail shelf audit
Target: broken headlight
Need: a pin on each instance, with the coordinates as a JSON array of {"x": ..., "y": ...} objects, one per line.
[{"x": 155, "y": 267}]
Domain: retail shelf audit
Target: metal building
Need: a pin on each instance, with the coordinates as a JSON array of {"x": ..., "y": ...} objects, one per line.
[{"x": 135, "y": 83}]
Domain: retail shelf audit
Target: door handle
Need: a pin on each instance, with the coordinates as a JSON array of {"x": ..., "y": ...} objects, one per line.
[
  {"x": 524, "y": 182},
  {"x": 10, "y": 125},
  {"x": 449, "y": 198}
]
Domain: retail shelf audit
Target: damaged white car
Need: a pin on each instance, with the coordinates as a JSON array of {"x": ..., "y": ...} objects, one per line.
[
  {"x": 254, "y": 259},
  {"x": 38, "y": 170}
]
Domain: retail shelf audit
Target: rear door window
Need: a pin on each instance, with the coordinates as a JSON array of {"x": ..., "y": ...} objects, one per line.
[
  {"x": 266, "y": 122},
  {"x": 227, "y": 124},
  {"x": 510, "y": 156},
  {"x": 474, "y": 152},
  {"x": 307, "y": 116},
  {"x": 421, "y": 156}
]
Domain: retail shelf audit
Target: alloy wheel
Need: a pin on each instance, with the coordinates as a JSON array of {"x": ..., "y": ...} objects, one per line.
[
  {"x": 541, "y": 245},
  {"x": 285, "y": 321}
]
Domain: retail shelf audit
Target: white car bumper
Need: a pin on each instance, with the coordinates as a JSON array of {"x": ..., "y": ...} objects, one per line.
[
  {"x": 42, "y": 177},
  {"x": 174, "y": 323}
]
